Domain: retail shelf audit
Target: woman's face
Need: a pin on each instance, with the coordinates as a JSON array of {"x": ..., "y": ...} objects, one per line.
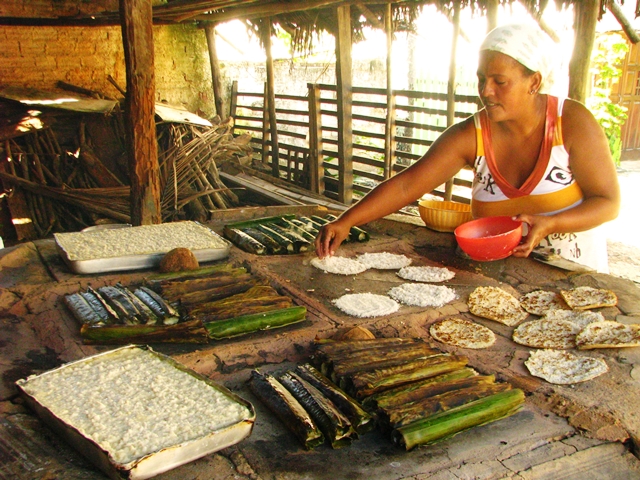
[{"x": 503, "y": 85}]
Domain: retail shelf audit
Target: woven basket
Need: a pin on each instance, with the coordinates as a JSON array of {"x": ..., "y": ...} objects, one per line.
[{"x": 444, "y": 216}]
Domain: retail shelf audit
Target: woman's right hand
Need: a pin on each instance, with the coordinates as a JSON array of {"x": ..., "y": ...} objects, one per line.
[{"x": 330, "y": 237}]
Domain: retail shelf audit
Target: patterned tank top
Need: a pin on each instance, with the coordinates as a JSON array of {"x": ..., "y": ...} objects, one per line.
[{"x": 549, "y": 189}]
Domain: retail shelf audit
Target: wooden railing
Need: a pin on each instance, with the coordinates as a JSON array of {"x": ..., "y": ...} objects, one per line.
[{"x": 308, "y": 134}]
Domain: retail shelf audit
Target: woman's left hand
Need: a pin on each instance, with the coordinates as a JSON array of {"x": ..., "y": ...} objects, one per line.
[{"x": 539, "y": 227}]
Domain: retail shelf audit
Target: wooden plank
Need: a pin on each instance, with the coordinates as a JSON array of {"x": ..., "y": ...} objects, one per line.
[
  {"x": 344, "y": 97},
  {"x": 390, "y": 125},
  {"x": 451, "y": 85},
  {"x": 316, "y": 170},
  {"x": 216, "y": 74},
  {"x": 584, "y": 25},
  {"x": 141, "y": 141},
  {"x": 270, "y": 94}
]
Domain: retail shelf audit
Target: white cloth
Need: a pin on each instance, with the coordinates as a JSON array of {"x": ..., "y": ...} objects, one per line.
[{"x": 526, "y": 44}]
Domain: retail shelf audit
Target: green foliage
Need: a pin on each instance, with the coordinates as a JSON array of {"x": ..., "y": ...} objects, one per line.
[{"x": 608, "y": 53}]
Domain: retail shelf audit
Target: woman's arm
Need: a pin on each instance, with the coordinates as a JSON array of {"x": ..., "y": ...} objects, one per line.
[
  {"x": 593, "y": 170},
  {"x": 448, "y": 154}
]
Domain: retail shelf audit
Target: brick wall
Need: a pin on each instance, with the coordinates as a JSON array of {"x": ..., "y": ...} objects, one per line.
[{"x": 39, "y": 57}]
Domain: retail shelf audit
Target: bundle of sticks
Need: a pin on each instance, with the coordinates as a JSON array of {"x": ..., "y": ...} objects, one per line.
[{"x": 35, "y": 169}]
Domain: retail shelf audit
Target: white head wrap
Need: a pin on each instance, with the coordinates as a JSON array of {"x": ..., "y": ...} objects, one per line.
[{"x": 528, "y": 45}]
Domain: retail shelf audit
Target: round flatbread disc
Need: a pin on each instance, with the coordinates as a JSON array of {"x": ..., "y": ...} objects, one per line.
[
  {"x": 384, "y": 260},
  {"x": 585, "y": 298},
  {"x": 426, "y": 274},
  {"x": 422, "y": 295},
  {"x": 608, "y": 334},
  {"x": 540, "y": 302},
  {"x": 564, "y": 368},
  {"x": 366, "y": 305},
  {"x": 339, "y": 265},
  {"x": 496, "y": 304},
  {"x": 462, "y": 333},
  {"x": 545, "y": 333},
  {"x": 581, "y": 318}
]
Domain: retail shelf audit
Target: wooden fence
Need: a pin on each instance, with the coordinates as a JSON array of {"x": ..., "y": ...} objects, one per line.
[{"x": 307, "y": 135}]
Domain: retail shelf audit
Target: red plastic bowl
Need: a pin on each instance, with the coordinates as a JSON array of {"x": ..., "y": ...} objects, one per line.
[{"x": 489, "y": 238}]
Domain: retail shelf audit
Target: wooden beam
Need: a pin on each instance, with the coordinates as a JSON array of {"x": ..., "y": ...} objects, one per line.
[
  {"x": 345, "y": 101},
  {"x": 370, "y": 16},
  {"x": 271, "y": 98},
  {"x": 316, "y": 167},
  {"x": 492, "y": 14},
  {"x": 216, "y": 74},
  {"x": 141, "y": 141},
  {"x": 624, "y": 22},
  {"x": 390, "y": 124},
  {"x": 544, "y": 26},
  {"x": 584, "y": 26},
  {"x": 451, "y": 85}
]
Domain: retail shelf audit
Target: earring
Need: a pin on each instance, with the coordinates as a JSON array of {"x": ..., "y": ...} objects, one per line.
[{"x": 532, "y": 92}]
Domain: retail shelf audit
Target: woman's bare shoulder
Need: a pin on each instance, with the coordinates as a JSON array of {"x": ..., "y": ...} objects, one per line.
[{"x": 578, "y": 121}]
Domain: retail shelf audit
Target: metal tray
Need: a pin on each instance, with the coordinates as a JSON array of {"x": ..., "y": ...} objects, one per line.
[
  {"x": 154, "y": 463},
  {"x": 136, "y": 262}
]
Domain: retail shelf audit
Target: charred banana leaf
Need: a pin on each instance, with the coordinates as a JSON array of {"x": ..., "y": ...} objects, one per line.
[
  {"x": 177, "y": 288},
  {"x": 163, "y": 309},
  {"x": 261, "y": 221},
  {"x": 368, "y": 383},
  {"x": 274, "y": 247},
  {"x": 334, "y": 425},
  {"x": 280, "y": 401},
  {"x": 348, "y": 365},
  {"x": 243, "y": 307},
  {"x": 145, "y": 314},
  {"x": 332, "y": 348},
  {"x": 299, "y": 228},
  {"x": 81, "y": 310},
  {"x": 105, "y": 315},
  {"x": 245, "y": 324},
  {"x": 414, "y": 391},
  {"x": 244, "y": 241},
  {"x": 185, "y": 332},
  {"x": 220, "y": 269},
  {"x": 113, "y": 315},
  {"x": 300, "y": 244},
  {"x": 356, "y": 232},
  {"x": 456, "y": 420},
  {"x": 187, "y": 300},
  {"x": 403, "y": 415},
  {"x": 361, "y": 420},
  {"x": 286, "y": 244},
  {"x": 324, "y": 221},
  {"x": 311, "y": 224},
  {"x": 127, "y": 313}
]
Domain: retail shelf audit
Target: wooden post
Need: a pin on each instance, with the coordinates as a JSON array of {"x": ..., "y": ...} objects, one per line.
[
  {"x": 141, "y": 142},
  {"x": 273, "y": 121},
  {"x": 451, "y": 86},
  {"x": 624, "y": 22},
  {"x": 492, "y": 14},
  {"x": 344, "y": 100},
  {"x": 266, "y": 135},
  {"x": 233, "y": 104},
  {"x": 216, "y": 77},
  {"x": 316, "y": 167},
  {"x": 390, "y": 123},
  {"x": 584, "y": 26}
]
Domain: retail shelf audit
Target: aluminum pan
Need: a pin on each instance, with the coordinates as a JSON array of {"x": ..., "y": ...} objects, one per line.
[
  {"x": 136, "y": 262},
  {"x": 155, "y": 463}
]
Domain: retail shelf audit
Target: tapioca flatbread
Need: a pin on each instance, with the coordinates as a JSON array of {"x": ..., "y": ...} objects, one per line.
[
  {"x": 496, "y": 304},
  {"x": 539, "y": 302},
  {"x": 608, "y": 334},
  {"x": 545, "y": 333},
  {"x": 564, "y": 368},
  {"x": 462, "y": 333},
  {"x": 586, "y": 298}
]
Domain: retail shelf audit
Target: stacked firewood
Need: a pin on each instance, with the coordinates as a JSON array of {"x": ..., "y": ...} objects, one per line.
[{"x": 56, "y": 188}]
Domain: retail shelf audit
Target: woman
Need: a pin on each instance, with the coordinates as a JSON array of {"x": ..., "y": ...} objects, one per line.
[{"x": 543, "y": 160}]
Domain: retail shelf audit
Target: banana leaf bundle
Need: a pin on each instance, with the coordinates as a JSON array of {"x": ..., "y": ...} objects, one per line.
[
  {"x": 364, "y": 361},
  {"x": 327, "y": 349},
  {"x": 174, "y": 288},
  {"x": 191, "y": 331},
  {"x": 356, "y": 233},
  {"x": 335, "y": 426},
  {"x": 284, "y": 405},
  {"x": 426, "y": 407},
  {"x": 244, "y": 241},
  {"x": 361, "y": 420},
  {"x": 260, "y": 298},
  {"x": 155, "y": 279},
  {"x": 232, "y": 287},
  {"x": 367, "y": 383},
  {"x": 416, "y": 390},
  {"x": 245, "y": 324},
  {"x": 451, "y": 422}
]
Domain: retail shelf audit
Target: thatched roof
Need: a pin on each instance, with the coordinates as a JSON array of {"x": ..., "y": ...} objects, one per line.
[{"x": 303, "y": 19}]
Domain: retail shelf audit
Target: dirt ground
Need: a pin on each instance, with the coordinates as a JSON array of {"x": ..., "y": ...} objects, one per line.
[{"x": 623, "y": 234}]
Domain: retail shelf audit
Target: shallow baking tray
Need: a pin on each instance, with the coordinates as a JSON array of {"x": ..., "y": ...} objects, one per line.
[
  {"x": 136, "y": 262},
  {"x": 157, "y": 462}
]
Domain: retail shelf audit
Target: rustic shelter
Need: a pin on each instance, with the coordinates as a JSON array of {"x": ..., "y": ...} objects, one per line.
[{"x": 139, "y": 22}]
